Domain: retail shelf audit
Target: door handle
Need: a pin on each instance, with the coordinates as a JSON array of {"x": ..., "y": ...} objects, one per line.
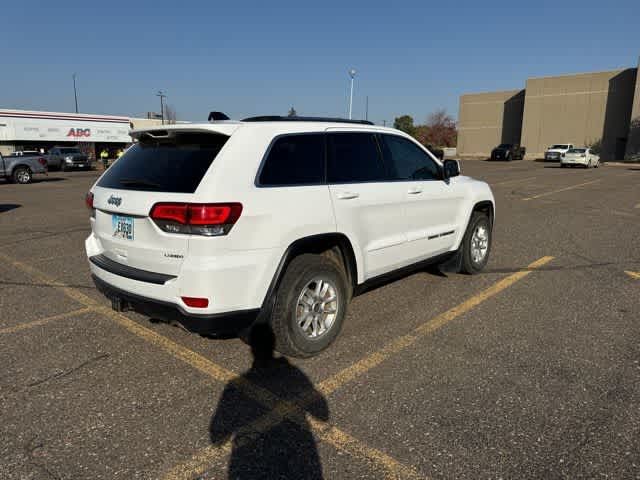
[
  {"x": 347, "y": 195},
  {"x": 414, "y": 191}
]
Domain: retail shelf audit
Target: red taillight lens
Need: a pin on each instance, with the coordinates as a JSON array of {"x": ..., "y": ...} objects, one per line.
[
  {"x": 171, "y": 212},
  {"x": 42, "y": 161},
  {"x": 214, "y": 214},
  {"x": 195, "y": 302},
  {"x": 88, "y": 200},
  {"x": 209, "y": 219}
]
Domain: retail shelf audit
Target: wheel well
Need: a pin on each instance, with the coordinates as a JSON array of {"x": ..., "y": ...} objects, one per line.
[
  {"x": 333, "y": 245},
  {"x": 485, "y": 207},
  {"x": 15, "y": 167}
]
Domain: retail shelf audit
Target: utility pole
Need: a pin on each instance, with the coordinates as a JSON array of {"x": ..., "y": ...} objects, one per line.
[
  {"x": 162, "y": 96},
  {"x": 352, "y": 73},
  {"x": 366, "y": 110},
  {"x": 75, "y": 92}
]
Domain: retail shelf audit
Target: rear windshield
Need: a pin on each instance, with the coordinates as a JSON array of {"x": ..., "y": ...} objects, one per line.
[
  {"x": 175, "y": 164},
  {"x": 577, "y": 150},
  {"x": 69, "y": 150}
]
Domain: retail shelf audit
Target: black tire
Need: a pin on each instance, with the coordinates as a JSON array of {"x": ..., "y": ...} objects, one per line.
[
  {"x": 469, "y": 265},
  {"x": 21, "y": 175},
  {"x": 290, "y": 339},
  {"x": 63, "y": 167}
]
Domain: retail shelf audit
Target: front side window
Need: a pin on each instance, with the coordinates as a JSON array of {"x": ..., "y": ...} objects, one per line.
[
  {"x": 354, "y": 157},
  {"x": 407, "y": 161},
  {"x": 294, "y": 160}
]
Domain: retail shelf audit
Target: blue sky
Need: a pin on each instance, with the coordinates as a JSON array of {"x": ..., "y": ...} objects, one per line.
[{"x": 249, "y": 58}]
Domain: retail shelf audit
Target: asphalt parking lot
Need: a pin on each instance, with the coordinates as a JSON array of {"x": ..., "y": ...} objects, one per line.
[{"x": 528, "y": 370}]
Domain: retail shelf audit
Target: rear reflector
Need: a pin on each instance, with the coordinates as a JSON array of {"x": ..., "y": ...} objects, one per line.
[
  {"x": 42, "y": 162},
  {"x": 195, "y": 302},
  {"x": 209, "y": 219},
  {"x": 88, "y": 200}
]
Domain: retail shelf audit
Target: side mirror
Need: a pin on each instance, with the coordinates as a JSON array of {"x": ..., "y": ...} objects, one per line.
[{"x": 450, "y": 168}]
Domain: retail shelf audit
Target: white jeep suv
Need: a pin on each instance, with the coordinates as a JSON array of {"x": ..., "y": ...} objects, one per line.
[{"x": 273, "y": 219}]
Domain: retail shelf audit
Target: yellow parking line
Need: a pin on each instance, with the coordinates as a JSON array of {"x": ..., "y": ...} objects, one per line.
[
  {"x": 43, "y": 321},
  {"x": 561, "y": 190},
  {"x": 212, "y": 454},
  {"x": 280, "y": 409},
  {"x": 350, "y": 373},
  {"x": 509, "y": 182},
  {"x": 635, "y": 275}
]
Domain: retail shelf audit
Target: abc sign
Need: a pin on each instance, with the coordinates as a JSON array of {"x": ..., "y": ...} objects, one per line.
[{"x": 79, "y": 132}]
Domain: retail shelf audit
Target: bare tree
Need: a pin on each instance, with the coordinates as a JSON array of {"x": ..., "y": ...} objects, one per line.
[
  {"x": 169, "y": 114},
  {"x": 292, "y": 112},
  {"x": 442, "y": 129}
]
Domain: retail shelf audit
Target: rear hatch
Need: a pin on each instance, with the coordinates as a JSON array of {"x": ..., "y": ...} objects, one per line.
[{"x": 163, "y": 167}]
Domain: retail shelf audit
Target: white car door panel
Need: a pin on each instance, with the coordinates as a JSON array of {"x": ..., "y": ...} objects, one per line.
[
  {"x": 367, "y": 208},
  {"x": 432, "y": 206}
]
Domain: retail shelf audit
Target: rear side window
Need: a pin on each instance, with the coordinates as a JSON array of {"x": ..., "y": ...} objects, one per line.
[
  {"x": 354, "y": 157},
  {"x": 175, "y": 164},
  {"x": 407, "y": 161},
  {"x": 294, "y": 160}
]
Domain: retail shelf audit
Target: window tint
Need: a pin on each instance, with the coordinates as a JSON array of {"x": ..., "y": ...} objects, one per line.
[
  {"x": 354, "y": 157},
  {"x": 176, "y": 164},
  {"x": 294, "y": 160},
  {"x": 407, "y": 161}
]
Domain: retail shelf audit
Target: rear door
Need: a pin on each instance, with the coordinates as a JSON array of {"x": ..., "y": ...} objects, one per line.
[
  {"x": 432, "y": 206},
  {"x": 368, "y": 208},
  {"x": 158, "y": 169}
]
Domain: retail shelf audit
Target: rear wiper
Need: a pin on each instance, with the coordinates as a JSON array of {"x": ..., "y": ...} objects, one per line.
[{"x": 138, "y": 182}]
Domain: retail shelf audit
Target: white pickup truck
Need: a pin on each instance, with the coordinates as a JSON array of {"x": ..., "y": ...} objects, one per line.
[{"x": 555, "y": 152}]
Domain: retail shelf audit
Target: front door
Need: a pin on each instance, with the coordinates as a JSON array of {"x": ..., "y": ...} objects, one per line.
[
  {"x": 432, "y": 206},
  {"x": 368, "y": 208}
]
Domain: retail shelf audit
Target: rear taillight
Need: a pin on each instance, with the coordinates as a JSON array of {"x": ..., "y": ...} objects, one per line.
[
  {"x": 42, "y": 162},
  {"x": 88, "y": 201},
  {"x": 208, "y": 219}
]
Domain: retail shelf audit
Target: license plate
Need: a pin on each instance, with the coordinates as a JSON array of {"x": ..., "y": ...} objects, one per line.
[
  {"x": 122, "y": 227},
  {"x": 81, "y": 165}
]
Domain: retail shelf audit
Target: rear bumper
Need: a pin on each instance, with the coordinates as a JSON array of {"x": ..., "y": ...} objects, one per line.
[
  {"x": 217, "y": 323},
  {"x": 574, "y": 161}
]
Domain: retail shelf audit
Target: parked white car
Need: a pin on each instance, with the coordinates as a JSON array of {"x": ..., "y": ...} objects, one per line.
[
  {"x": 279, "y": 220},
  {"x": 580, "y": 156},
  {"x": 555, "y": 152}
]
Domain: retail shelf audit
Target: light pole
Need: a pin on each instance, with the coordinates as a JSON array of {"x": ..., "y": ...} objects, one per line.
[
  {"x": 75, "y": 92},
  {"x": 352, "y": 73},
  {"x": 162, "y": 97}
]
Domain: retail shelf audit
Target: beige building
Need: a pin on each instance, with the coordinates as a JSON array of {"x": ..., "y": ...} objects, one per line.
[
  {"x": 583, "y": 109},
  {"x": 488, "y": 119}
]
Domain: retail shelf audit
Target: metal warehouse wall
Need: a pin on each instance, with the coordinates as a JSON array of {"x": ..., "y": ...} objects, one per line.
[
  {"x": 579, "y": 109},
  {"x": 488, "y": 119}
]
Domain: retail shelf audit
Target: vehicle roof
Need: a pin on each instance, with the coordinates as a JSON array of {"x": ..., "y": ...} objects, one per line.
[{"x": 228, "y": 127}]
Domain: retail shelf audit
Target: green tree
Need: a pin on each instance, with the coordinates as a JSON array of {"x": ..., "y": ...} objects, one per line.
[{"x": 405, "y": 124}]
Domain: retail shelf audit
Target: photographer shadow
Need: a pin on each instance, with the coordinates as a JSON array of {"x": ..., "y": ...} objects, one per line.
[{"x": 284, "y": 450}]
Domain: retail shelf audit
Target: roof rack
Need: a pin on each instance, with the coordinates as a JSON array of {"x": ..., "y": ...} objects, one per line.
[{"x": 278, "y": 118}]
